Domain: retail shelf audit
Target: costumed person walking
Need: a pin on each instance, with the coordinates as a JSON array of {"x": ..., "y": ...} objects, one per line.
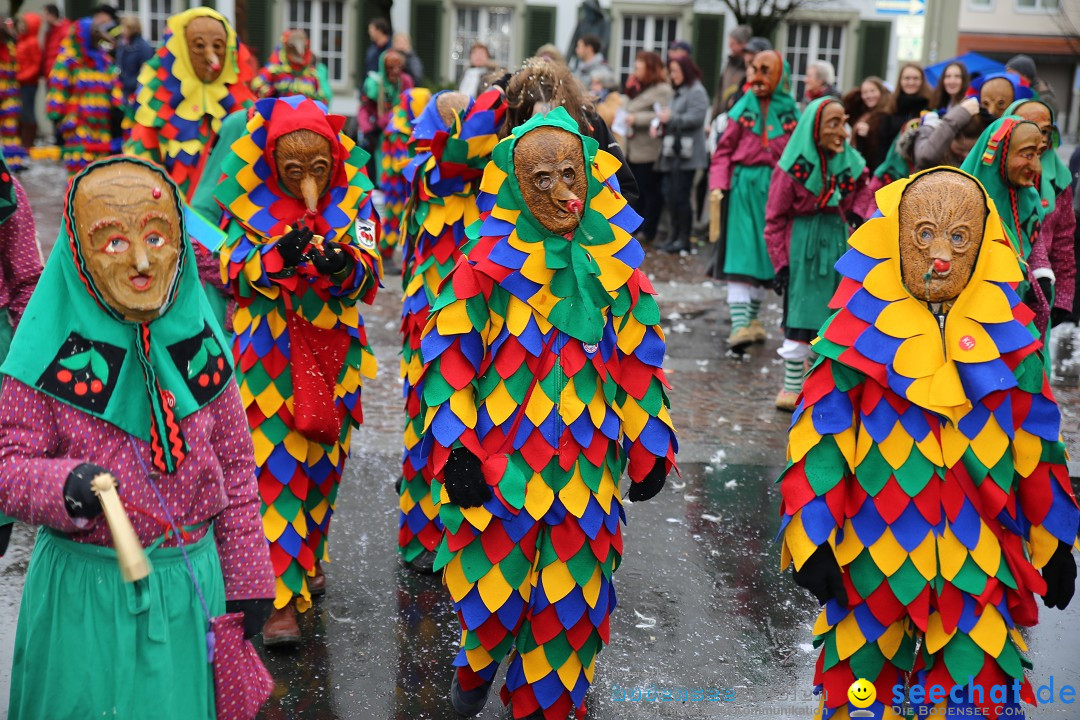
[
  {"x": 20, "y": 268},
  {"x": 759, "y": 127},
  {"x": 132, "y": 379},
  {"x": 299, "y": 256},
  {"x": 543, "y": 383},
  {"x": 1052, "y": 260},
  {"x": 926, "y": 499},
  {"x": 291, "y": 70},
  {"x": 82, "y": 88},
  {"x": 819, "y": 184},
  {"x": 379, "y": 95},
  {"x": 185, "y": 91},
  {"x": 10, "y": 105},
  {"x": 28, "y": 53},
  {"x": 395, "y": 152},
  {"x": 453, "y": 140}
]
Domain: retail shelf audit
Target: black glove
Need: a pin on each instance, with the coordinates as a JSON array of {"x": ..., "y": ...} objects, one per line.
[
  {"x": 292, "y": 245},
  {"x": 333, "y": 260},
  {"x": 1058, "y": 316},
  {"x": 5, "y": 537},
  {"x": 503, "y": 82},
  {"x": 781, "y": 279},
  {"x": 255, "y": 614},
  {"x": 1060, "y": 576},
  {"x": 80, "y": 500},
  {"x": 1047, "y": 288},
  {"x": 650, "y": 484},
  {"x": 464, "y": 479},
  {"x": 821, "y": 575}
]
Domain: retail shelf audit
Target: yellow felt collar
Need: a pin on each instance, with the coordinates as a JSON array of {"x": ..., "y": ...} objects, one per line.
[{"x": 201, "y": 98}]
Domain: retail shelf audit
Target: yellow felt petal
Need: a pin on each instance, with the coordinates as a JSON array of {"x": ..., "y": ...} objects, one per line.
[
  {"x": 850, "y": 547},
  {"x": 887, "y": 553},
  {"x": 987, "y": 552},
  {"x": 849, "y": 637},
  {"x": 924, "y": 557},
  {"x": 273, "y": 523},
  {"x": 951, "y": 554},
  {"x": 538, "y": 497},
  {"x": 557, "y": 581},
  {"x": 453, "y": 320},
  {"x": 935, "y": 636},
  {"x": 494, "y": 590},
  {"x": 1027, "y": 451},
  {"x": 896, "y": 447},
  {"x": 478, "y": 517},
  {"x": 890, "y": 640},
  {"x": 990, "y": 632}
]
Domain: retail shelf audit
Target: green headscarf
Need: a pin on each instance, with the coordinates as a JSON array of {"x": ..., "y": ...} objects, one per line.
[
  {"x": 781, "y": 113},
  {"x": 1020, "y": 207},
  {"x": 1056, "y": 177},
  {"x": 829, "y": 180},
  {"x": 141, "y": 377}
]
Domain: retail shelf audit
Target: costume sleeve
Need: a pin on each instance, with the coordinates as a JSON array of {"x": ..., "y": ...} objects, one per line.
[
  {"x": 777, "y": 145},
  {"x": 32, "y": 467},
  {"x": 1040, "y": 475},
  {"x": 58, "y": 87},
  {"x": 260, "y": 84},
  {"x": 721, "y": 167},
  {"x": 779, "y": 212},
  {"x": 932, "y": 139},
  {"x": 238, "y": 529},
  {"x": 1061, "y": 233},
  {"x": 21, "y": 256},
  {"x": 641, "y": 401},
  {"x": 860, "y": 198},
  {"x": 821, "y": 460}
]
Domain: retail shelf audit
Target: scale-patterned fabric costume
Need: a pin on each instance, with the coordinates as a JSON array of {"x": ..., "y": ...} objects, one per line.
[
  {"x": 395, "y": 152},
  {"x": 929, "y": 459},
  {"x": 444, "y": 177},
  {"x": 298, "y": 477},
  {"x": 83, "y": 86},
  {"x": 176, "y": 115},
  {"x": 10, "y": 105},
  {"x": 280, "y": 78},
  {"x": 530, "y": 571}
]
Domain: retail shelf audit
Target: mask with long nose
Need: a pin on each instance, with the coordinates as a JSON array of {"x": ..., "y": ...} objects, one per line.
[
  {"x": 207, "y": 43},
  {"x": 304, "y": 160},
  {"x": 296, "y": 47},
  {"x": 549, "y": 165},
  {"x": 941, "y": 219},
  {"x": 129, "y": 232}
]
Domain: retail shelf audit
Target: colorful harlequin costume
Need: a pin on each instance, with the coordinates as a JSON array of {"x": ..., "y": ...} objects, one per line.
[
  {"x": 445, "y": 177},
  {"x": 83, "y": 87},
  {"x": 530, "y": 570},
  {"x": 279, "y": 77},
  {"x": 394, "y": 155},
  {"x": 927, "y": 458},
  {"x": 298, "y": 476},
  {"x": 757, "y": 132},
  {"x": 176, "y": 115},
  {"x": 88, "y": 386},
  {"x": 10, "y": 106},
  {"x": 806, "y": 231}
]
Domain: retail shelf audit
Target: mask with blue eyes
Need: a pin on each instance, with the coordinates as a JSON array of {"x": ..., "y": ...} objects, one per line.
[
  {"x": 941, "y": 218},
  {"x": 127, "y": 226}
]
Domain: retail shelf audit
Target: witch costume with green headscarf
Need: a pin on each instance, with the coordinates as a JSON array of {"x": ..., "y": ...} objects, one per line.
[
  {"x": 133, "y": 378},
  {"x": 1052, "y": 259},
  {"x": 757, "y": 132},
  {"x": 816, "y": 191},
  {"x": 543, "y": 382}
]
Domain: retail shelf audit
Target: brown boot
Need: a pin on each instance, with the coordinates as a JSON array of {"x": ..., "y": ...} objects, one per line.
[
  {"x": 316, "y": 584},
  {"x": 281, "y": 628}
]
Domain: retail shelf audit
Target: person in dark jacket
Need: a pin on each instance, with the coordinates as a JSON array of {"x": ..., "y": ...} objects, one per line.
[
  {"x": 131, "y": 52},
  {"x": 909, "y": 99},
  {"x": 379, "y": 32}
]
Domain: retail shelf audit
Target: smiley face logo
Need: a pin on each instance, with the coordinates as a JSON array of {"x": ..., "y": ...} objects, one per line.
[{"x": 862, "y": 693}]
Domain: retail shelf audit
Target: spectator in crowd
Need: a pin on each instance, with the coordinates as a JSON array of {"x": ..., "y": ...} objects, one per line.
[
  {"x": 647, "y": 89},
  {"x": 683, "y": 148},
  {"x": 911, "y": 97},
  {"x": 548, "y": 51},
  {"x": 947, "y": 139},
  {"x": 1024, "y": 66},
  {"x": 131, "y": 53},
  {"x": 414, "y": 68},
  {"x": 56, "y": 28},
  {"x": 820, "y": 81},
  {"x": 379, "y": 95},
  {"x": 479, "y": 65},
  {"x": 754, "y": 46},
  {"x": 678, "y": 49},
  {"x": 28, "y": 59},
  {"x": 589, "y": 58},
  {"x": 951, "y": 89},
  {"x": 863, "y": 105},
  {"x": 379, "y": 32},
  {"x": 604, "y": 89},
  {"x": 105, "y": 16},
  {"x": 734, "y": 73}
]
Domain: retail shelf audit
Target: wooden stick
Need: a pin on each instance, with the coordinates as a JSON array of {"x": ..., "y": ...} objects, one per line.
[{"x": 129, "y": 552}]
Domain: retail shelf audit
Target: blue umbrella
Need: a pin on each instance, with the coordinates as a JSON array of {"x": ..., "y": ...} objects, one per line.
[{"x": 975, "y": 63}]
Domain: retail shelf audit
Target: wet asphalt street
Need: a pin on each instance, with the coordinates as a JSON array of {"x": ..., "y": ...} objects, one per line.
[{"x": 702, "y": 603}]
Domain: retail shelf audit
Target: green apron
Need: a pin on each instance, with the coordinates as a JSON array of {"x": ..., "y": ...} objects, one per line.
[
  {"x": 89, "y": 645},
  {"x": 745, "y": 252},
  {"x": 817, "y": 242}
]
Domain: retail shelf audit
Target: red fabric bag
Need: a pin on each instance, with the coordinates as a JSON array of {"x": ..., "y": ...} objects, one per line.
[
  {"x": 316, "y": 356},
  {"x": 241, "y": 681}
]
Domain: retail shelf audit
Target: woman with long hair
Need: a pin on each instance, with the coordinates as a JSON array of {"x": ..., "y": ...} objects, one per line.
[
  {"x": 864, "y": 106},
  {"x": 683, "y": 147},
  {"x": 951, "y": 89},
  {"x": 647, "y": 88},
  {"x": 911, "y": 97}
]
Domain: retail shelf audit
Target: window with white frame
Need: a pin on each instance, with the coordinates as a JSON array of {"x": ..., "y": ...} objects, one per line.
[
  {"x": 325, "y": 23},
  {"x": 152, "y": 14},
  {"x": 807, "y": 42},
  {"x": 980, "y": 4},
  {"x": 489, "y": 25},
  {"x": 644, "y": 32},
  {"x": 1046, "y": 5}
]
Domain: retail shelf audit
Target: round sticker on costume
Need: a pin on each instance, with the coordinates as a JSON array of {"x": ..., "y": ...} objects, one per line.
[
  {"x": 170, "y": 399},
  {"x": 590, "y": 348},
  {"x": 967, "y": 342},
  {"x": 365, "y": 233}
]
